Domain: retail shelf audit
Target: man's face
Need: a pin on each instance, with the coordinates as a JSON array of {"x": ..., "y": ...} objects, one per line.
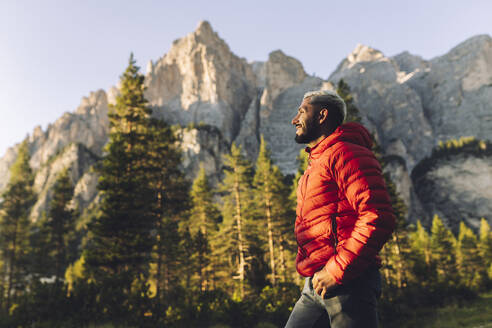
[{"x": 307, "y": 126}]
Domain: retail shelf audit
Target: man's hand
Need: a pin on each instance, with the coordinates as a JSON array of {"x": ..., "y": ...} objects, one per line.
[{"x": 323, "y": 282}]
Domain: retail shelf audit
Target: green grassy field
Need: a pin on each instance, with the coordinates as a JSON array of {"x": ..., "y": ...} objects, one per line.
[{"x": 476, "y": 314}]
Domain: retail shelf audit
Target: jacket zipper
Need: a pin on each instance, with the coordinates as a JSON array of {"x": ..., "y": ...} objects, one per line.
[
  {"x": 304, "y": 189},
  {"x": 334, "y": 232}
]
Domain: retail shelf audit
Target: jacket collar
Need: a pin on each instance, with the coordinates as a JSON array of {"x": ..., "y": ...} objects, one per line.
[{"x": 349, "y": 132}]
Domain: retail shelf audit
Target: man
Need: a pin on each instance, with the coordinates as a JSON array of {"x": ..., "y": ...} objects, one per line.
[{"x": 344, "y": 217}]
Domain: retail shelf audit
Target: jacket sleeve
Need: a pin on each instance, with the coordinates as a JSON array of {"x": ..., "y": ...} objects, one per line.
[{"x": 359, "y": 178}]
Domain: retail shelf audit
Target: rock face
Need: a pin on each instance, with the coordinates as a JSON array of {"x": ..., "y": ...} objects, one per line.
[
  {"x": 412, "y": 103},
  {"x": 457, "y": 188},
  {"x": 77, "y": 159},
  {"x": 456, "y": 90},
  {"x": 5, "y": 163},
  {"x": 201, "y": 80},
  {"x": 284, "y": 82},
  {"x": 408, "y": 103},
  {"x": 202, "y": 146},
  {"x": 87, "y": 126}
]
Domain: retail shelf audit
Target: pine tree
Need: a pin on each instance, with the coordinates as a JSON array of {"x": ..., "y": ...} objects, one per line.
[
  {"x": 18, "y": 199},
  {"x": 203, "y": 254},
  {"x": 485, "y": 246},
  {"x": 443, "y": 245},
  {"x": 188, "y": 246},
  {"x": 204, "y": 214},
  {"x": 393, "y": 250},
  {"x": 168, "y": 257},
  {"x": 470, "y": 266},
  {"x": 168, "y": 183},
  {"x": 265, "y": 184},
  {"x": 118, "y": 252},
  {"x": 421, "y": 256},
  {"x": 231, "y": 244},
  {"x": 204, "y": 217},
  {"x": 343, "y": 91},
  {"x": 60, "y": 224},
  {"x": 271, "y": 197},
  {"x": 40, "y": 262}
]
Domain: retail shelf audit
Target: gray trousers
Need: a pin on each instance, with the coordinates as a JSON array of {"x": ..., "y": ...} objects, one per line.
[{"x": 349, "y": 306}]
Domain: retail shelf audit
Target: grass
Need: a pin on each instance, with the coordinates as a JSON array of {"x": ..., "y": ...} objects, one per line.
[{"x": 475, "y": 314}]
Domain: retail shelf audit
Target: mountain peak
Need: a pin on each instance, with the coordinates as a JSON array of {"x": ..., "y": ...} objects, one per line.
[
  {"x": 363, "y": 53},
  {"x": 200, "y": 79},
  {"x": 285, "y": 67},
  {"x": 360, "y": 54},
  {"x": 205, "y": 34},
  {"x": 204, "y": 27},
  {"x": 474, "y": 44},
  {"x": 202, "y": 36}
]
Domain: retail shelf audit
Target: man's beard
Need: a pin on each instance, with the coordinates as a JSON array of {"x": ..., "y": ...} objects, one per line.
[{"x": 311, "y": 133}]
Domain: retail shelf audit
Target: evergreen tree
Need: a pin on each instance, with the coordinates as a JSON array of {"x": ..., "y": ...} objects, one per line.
[
  {"x": 60, "y": 224},
  {"x": 168, "y": 257},
  {"x": 203, "y": 254},
  {"x": 171, "y": 190},
  {"x": 393, "y": 251},
  {"x": 271, "y": 197},
  {"x": 470, "y": 266},
  {"x": 40, "y": 262},
  {"x": 204, "y": 217},
  {"x": 190, "y": 265},
  {"x": 443, "y": 245},
  {"x": 231, "y": 244},
  {"x": 421, "y": 256},
  {"x": 17, "y": 201},
  {"x": 204, "y": 214},
  {"x": 343, "y": 91},
  {"x": 118, "y": 252},
  {"x": 485, "y": 246}
]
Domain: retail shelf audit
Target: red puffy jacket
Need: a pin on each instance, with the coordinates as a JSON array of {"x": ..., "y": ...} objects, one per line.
[{"x": 344, "y": 213}]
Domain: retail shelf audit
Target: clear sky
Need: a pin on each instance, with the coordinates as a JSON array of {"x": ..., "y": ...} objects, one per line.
[{"x": 55, "y": 52}]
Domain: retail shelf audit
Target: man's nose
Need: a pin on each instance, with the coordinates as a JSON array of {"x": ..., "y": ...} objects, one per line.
[{"x": 295, "y": 119}]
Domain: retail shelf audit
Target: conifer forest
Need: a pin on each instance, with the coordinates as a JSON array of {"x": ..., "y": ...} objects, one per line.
[{"x": 159, "y": 250}]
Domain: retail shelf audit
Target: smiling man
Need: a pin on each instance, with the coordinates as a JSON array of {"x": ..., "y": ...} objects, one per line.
[{"x": 344, "y": 217}]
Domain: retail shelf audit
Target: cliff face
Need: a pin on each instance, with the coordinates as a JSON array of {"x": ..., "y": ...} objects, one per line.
[
  {"x": 78, "y": 159},
  {"x": 456, "y": 90},
  {"x": 457, "y": 187},
  {"x": 201, "y": 80},
  {"x": 408, "y": 103},
  {"x": 282, "y": 82}
]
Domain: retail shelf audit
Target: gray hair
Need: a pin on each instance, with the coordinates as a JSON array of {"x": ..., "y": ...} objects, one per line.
[{"x": 327, "y": 99}]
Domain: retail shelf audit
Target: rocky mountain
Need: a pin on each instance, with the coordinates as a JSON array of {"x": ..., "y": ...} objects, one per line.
[
  {"x": 79, "y": 159},
  {"x": 201, "y": 80},
  {"x": 407, "y": 102},
  {"x": 455, "y": 184}
]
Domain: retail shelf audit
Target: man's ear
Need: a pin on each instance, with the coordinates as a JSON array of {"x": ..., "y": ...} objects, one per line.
[{"x": 323, "y": 115}]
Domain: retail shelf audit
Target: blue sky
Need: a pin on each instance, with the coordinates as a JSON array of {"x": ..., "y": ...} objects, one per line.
[{"x": 55, "y": 52}]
